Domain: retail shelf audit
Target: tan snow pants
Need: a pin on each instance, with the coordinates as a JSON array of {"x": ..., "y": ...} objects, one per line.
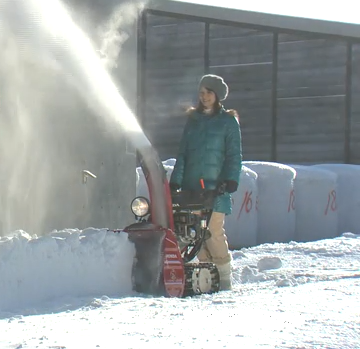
[{"x": 216, "y": 249}]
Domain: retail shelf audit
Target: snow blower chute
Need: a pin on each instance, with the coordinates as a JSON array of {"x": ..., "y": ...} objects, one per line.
[{"x": 169, "y": 231}]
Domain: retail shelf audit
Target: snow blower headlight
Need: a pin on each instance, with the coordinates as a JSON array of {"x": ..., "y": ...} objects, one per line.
[{"x": 140, "y": 206}]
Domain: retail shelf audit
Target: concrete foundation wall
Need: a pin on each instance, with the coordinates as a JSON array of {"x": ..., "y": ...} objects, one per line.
[{"x": 50, "y": 134}]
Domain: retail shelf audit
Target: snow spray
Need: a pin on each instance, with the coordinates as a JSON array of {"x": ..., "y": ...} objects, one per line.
[{"x": 46, "y": 30}]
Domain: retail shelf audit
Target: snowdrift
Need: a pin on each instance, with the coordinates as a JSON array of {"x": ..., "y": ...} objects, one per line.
[
  {"x": 283, "y": 202},
  {"x": 63, "y": 263}
]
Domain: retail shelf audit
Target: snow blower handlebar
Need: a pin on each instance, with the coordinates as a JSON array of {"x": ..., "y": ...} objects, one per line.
[
  {"x": 194, "y": 200},
  {"x": 197, "y": 199}
]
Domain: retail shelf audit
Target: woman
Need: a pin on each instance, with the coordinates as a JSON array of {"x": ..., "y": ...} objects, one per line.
[{"x": 210, "y": 150}]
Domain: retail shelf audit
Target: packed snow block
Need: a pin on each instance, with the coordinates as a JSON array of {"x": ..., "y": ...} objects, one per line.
[
  {"x": 168, "y": 168},
  {"x": 347, "y": 196},
  {"x": 241, "y": 225},
  {"x": 169, "y": 162},
  {"x": 316, "y": 213},
  {"x": 276, "y": 201},
  {"x": 141, "y": 185}
]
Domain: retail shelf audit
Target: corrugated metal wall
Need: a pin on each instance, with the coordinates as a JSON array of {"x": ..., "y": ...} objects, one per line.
[
  {"x": 355, "y": 106},
  {"x": 310, "y": 99},
  {"x": 243, "y": 57},
  {"x": 45, "y": 144},
  {"x": 50, "y": 132},
  {"x": 174, "y": 62},
  {"x": 290, "y": 89}
]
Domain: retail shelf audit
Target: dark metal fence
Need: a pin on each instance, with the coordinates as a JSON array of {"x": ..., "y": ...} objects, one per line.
[{"x": 296, "y": 92}]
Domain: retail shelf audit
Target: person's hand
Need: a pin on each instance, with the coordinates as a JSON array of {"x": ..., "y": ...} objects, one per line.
[
  {"x": 221, "y": 188},
  {"x": 231, "y": 186},
  {"x": 226, "y": 186}
]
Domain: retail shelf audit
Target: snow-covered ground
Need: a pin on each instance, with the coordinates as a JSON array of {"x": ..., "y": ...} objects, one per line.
[{"x": 71, "y": 289}]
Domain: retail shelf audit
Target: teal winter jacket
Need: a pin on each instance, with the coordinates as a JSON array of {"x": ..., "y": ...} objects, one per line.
[{"x": 210, "y": 149}]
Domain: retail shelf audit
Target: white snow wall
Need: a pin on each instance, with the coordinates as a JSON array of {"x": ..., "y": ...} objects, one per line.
[
  {"x": 348, "y": 196},
  {"x": 315, "y": 207},
  {"x": 62, "y": 264},
  {"x": 276, "y": 210},
  {"x": 242, "y": 225},
  {"x": 281, "y": 202}
]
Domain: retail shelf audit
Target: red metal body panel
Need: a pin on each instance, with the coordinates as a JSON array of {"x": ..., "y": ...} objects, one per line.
[{"x": 173, "y": 270}]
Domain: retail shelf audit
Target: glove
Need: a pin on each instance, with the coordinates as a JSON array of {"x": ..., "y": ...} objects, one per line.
[
  {"x": 231, "y": 186},
  {"x": 220, "y": 188},
  {"x": 226, "y": 186},
  {"x": 174, "y": 186}
]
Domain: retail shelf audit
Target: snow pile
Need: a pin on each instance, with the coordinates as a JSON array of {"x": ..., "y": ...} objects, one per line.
[
  {"x": 297, "y": 263},
  {"x": 63, "y": 263}
]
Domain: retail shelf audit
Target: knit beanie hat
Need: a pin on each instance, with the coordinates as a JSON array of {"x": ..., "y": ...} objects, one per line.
[{"x": 215, "y": 83}]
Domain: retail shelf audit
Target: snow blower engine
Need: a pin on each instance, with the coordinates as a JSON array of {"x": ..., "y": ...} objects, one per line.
[{"x": 169, "y": 231}]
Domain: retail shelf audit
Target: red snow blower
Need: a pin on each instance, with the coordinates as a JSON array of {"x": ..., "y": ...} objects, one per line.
[{"x": 169, "y": 231}]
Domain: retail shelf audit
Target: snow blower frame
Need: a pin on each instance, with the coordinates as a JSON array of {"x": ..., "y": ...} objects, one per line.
[{"x": 169, "y": 231}]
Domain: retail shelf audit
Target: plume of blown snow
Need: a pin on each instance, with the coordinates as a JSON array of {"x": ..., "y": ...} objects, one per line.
[{"x": 115, "y": 32}]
